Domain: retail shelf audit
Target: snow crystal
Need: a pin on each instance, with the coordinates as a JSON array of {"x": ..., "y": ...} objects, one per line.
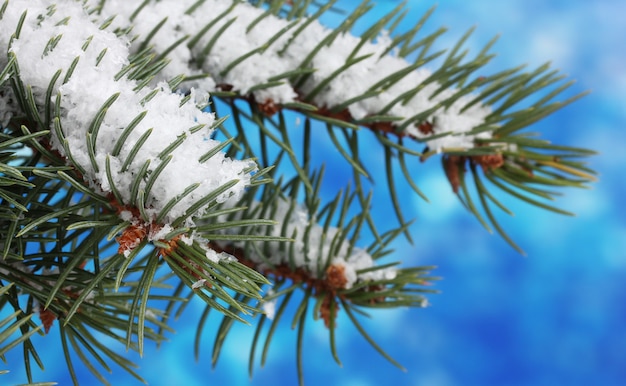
[
  {"x": 269, "y": 308},
  {"x": 126, "y": 215},
  {"x": 160, "y": 233},
  {"x": 198, "y": 284},
  {"x": 186, "y": 240},
  {"x": 228, "y": 258},
  {"x": 213, "y": 256}
]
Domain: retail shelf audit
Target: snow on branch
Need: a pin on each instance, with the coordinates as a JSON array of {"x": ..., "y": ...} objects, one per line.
[
  {"x": 240, "y": 46},
  {"x": 147, "y": 146},
  {"x": 316, "y": 250}
]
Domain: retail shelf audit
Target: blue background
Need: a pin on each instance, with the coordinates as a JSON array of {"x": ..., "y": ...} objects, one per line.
[{"x": 555, "y": 317}]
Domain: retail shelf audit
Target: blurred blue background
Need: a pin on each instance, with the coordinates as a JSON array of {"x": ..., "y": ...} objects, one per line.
[{"x": 555, "y": 317}]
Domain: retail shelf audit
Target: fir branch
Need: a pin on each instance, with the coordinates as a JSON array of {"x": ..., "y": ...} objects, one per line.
[
  {"x": 105, "y": 197},
  {"x": 323, "y": 262},
  {"x": 449, "y": 109}
]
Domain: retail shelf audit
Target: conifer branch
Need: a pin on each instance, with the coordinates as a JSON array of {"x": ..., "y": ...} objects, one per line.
[
  {"x": 107, "y": 196},
  {"x": 465, "y": 117}
]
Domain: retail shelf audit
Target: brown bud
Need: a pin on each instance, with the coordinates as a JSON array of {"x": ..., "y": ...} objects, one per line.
[
  {"x": 268, "y": 108},
  {"x": 453, "y": 166},
  {"x": 336, "y": 277},
  {"x": 489, "y": 161},
  {"x": 425, "y": 128}
]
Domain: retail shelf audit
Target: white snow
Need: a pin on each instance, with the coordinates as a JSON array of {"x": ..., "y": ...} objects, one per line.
[
  {"x": 287, "y": 53},
  {"x": 198, "y": 284},
  {"x": 269, "y": 308},
  {"x": 91, "y": 84},
  {"x": 316, "y": 250}
]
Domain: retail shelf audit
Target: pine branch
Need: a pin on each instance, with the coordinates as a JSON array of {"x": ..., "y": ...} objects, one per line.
[
  {"x": 372, "y": 81},
  {"x": 96, "y": 201},
  {"x": 109, "y": 197},
  {"x": 323, "y": 262}
]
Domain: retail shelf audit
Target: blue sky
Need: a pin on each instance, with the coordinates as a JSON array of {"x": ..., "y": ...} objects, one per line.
[{"x": 554, "y": 317}]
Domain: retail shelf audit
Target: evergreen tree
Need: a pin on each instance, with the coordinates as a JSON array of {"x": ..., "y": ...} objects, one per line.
[{"x": 160, "y": 153}]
